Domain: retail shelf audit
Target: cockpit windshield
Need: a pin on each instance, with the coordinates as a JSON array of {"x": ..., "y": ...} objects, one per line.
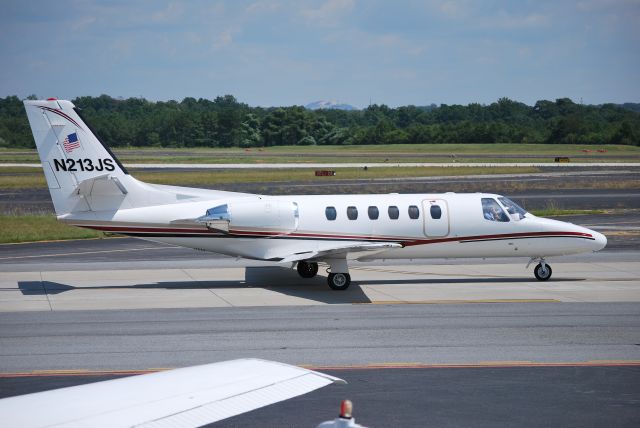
[
  {"x": 491, "y": 210},
  {"x": 512, "y": 207}
]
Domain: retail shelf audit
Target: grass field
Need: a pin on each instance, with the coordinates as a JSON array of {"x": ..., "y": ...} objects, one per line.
[
  {"x": 40, "y": 228},
  {"x": 557, "y": 212},
  {"x": 26, "y": 178},
  {"x": 366, "y": 153},
  {"x": 29, "y": 178}
]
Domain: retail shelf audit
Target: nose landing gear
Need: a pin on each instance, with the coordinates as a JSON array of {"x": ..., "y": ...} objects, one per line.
[{"x": 542, "y": 271}]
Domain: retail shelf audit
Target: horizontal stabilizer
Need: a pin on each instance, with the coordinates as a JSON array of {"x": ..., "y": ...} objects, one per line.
[{"x": 87, "y": 187}]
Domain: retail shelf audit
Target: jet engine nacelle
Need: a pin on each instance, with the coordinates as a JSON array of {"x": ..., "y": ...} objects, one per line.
[{"x": 264, "y": 214}]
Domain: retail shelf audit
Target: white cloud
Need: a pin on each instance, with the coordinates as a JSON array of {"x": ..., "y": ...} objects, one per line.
[
  {"x": 508, "y": 21},
  {"x": 451, "y": 8},
  {"x": 83, "y": 23},
  {"x": 223, "y": 39},
  {"x": 329, "y": 13},
  {"x": 264, "y": 6},
  {"x": 172, "y": 11}
]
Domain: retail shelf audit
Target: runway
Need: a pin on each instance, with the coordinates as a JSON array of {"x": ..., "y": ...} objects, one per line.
[{"x": 577, "y": 188}]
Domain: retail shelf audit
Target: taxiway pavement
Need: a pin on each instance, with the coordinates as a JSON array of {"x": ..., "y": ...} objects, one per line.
[{"x": 321, "y": 336}]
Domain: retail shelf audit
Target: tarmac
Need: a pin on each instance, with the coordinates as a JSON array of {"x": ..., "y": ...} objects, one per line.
[
  {"x": 451, "y": 397},
  {"x": 43, "y": 290},
  {"x": 489, "y": 364}
]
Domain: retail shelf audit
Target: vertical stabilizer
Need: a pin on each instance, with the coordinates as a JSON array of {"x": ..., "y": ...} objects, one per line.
[{"x": 77, "y": 166}]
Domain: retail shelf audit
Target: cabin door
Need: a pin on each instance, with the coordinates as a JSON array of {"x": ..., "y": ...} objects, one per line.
[{"x": 436, "y": 218}]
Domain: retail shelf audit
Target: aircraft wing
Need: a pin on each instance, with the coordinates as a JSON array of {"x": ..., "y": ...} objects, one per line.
[
  {"x": 337, "y": 250},
  {"x": 186, "y": 397}
]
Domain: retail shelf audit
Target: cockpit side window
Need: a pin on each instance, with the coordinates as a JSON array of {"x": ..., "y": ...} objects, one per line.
[
  {"x": 512, "y": 207},
  {"x": 492, "y": 211}
]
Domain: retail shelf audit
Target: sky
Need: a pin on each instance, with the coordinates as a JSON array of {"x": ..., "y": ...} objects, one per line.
[{"x": 279, "y": 52}]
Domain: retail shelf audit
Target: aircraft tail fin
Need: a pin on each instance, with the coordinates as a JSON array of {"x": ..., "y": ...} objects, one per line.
[{"x": 82, "y": 173}]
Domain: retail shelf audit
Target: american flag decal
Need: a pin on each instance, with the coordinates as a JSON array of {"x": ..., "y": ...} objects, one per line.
[{"x": 71, "y": 143}]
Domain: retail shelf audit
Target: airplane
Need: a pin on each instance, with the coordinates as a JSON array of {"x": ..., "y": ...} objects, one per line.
[
  {"x": 90, "y": 188},
  {"x": 185, "y": 397}
]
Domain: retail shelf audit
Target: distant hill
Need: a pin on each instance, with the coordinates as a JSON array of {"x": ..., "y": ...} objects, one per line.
[
  {"x": 329, "y": 105},
  {"x": 630, "y": 106}
]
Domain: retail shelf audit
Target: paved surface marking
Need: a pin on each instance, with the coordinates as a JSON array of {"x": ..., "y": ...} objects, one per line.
[{"x": 487, "y": 364}]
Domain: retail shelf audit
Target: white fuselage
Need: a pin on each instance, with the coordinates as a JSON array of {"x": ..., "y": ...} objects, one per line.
[{"x": 262, "y": 227}]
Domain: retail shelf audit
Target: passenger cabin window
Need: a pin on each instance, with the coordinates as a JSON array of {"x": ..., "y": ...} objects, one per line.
[
  {"x": 394, "y": 212},
  {"x": 492, "y": 211},
  {"x": 436, "y": 212},
  {"x": 331, "y": 213},
  {"x": 352, "y": 213},
  {"x": 373, "y": 213},
  {"x": 414, "y": 212}
]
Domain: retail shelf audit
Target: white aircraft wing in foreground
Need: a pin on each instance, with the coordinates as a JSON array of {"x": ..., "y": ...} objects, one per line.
[{"x": 186, "y": 397}]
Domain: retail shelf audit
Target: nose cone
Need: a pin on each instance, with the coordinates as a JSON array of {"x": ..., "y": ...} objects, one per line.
[
  {"x": 600, "y": 241},
  {"x": 594, "y": 241}
]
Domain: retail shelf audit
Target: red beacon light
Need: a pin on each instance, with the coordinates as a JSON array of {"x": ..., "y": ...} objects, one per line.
[
  {"x": 346, "y": 409},
  {"x": 52, "y": 99}
]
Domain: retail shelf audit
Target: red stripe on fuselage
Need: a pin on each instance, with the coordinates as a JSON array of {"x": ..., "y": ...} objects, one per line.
[{"x": 406, "y": 241}]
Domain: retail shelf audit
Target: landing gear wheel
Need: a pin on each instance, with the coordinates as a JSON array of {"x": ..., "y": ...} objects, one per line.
[
  {"x": 541, "y": 272},
  {"x": 307, "y": 269},
  {"x": 339, "y": 281}
]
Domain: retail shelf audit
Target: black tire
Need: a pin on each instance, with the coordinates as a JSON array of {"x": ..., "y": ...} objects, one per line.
[
  {"x": 307, "y": 269},
  {"x": 542, "y": 274},
  {"x": 339, "y": 281}
]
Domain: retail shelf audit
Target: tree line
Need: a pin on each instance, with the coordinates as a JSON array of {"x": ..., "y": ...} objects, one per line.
[{"x": 225, "y": 122}]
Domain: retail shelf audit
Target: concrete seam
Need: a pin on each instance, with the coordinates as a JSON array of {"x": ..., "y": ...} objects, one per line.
[
  {"x": 46, "y": 292},
  {"x": 209, "y": 289}
]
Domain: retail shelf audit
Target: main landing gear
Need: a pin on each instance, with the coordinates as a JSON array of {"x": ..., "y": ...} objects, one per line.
[
  {"x": 338, "y": 279},
  {"x": 307, "y": 269},
  {"x": 542, "y": 271}
]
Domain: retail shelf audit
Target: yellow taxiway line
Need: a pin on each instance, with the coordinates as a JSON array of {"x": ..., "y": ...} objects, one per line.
[
  {"x": 454, "y": 302},
  {"x": 372, "y": 366}
]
